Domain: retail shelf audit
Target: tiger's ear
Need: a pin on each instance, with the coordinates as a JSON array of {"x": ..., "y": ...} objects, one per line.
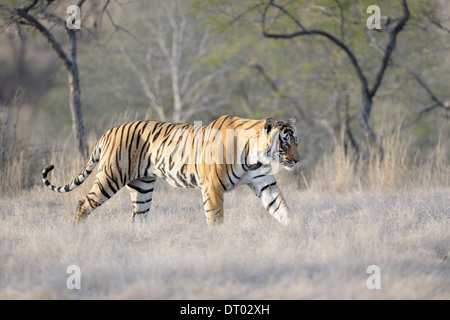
[
  {"x": 293, "y": 120},
  {"x": 269, "y": 124}
]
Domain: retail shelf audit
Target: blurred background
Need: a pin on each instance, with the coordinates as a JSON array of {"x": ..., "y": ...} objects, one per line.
[{"x": 192, "y": 60}]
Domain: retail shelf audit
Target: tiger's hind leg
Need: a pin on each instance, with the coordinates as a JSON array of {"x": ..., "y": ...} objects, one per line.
[
  {"x": 141, "y": 191},
  {"x": 101, "y": 190}
]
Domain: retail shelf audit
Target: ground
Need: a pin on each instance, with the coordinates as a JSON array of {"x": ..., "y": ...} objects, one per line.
[{"x": 323, "y": 254}]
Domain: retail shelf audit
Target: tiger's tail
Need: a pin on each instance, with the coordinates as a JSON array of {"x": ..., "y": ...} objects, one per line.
[{"x": 82, "y": 176}]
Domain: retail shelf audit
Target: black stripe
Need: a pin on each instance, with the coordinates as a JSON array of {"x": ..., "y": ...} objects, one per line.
[
  {"x": 168, "y": 175},
  {"x": 110, "y": 186},
  {"x": 226, "y": 118},
  {"x": 235, "y": 119},
  {"x": 158, "y": 154},
  {"x": 141, "y": 212},
  {"x": 279, "y": 205},
  {"x": 164, "y": 141},
  {"x": 120, "y": 142},
  {"x": 223, "y": 186},
  {"x": 213, "y": 123},
  {"x": 143, "y": 202},
  {"x": 129, "y": 147},
  {"x": 94, "y": 204},
  {"x": 144, "y": 148},
  {"x": 242, "y": 123},
  {"x": 183, "y": 180},
  {"x": 265, "y": 187},
  {"x": 255, "y": 166},
  {"x": 156, "y": 135},
  {"x": 252, "y": 126},
  {"x": 111, "y": 179},
  {"x": 128, "y": 134},
  {"x": 138, "y": 134},
  {"x": 169, "y": 128},
  {"x": 270, "y": 204},
  {"x": 149, "y": 163},
  {"x": 140, "y": 189},
  {"x": 156, "y": 126},
  {"x": 232, "y": 171},
  {"x": 229, "y": 178},
  {"x": 171, "y": 162},
  {"x": 185, "y": 143},
  {"x": 119, "y": 157},
  {"x": 76, "y": 181},
  {"x": 103, "y": 191},
  {"x": 147, "y": 181},
  {"x": 193, "y": 180}
]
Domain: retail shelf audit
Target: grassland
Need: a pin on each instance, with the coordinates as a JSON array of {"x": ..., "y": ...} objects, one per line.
[{"x": 323, "y": 254}]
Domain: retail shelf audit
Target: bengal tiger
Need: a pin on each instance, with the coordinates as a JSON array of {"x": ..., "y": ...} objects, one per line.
[{"x": 215, "y": 158}]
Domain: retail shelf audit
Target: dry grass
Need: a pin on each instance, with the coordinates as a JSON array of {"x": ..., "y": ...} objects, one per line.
[
  {"x": 323, "y": 254},
  {"x": 401, "y": 167}
]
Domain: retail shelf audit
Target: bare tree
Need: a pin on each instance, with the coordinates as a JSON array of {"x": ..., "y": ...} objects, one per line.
[
  {"x": 36, "y": 15},
  {"x": 437, "y": 102},
  {"x": 173, "y": 49},
  {"x": 367, "y": 91}
]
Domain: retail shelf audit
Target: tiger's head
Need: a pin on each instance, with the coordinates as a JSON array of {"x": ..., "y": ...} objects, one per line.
[{"x": 282, "y": 143}]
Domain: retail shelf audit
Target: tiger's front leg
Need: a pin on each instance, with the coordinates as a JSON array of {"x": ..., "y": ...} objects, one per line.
[
  {"x": 141, "y": 191},
  {"x": 272, "y": 198},
  {"x": 213, "y": 205}
]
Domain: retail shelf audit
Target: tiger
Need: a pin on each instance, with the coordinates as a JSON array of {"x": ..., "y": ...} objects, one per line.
[{"x": 215, "y": 158}]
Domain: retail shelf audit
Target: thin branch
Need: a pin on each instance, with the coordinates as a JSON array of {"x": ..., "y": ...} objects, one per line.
[
  {"x": 117, "y": 28},
  {"x": 80, "y": 3},
  {"x": 367, "y": 93},
  {"x": 325, "y": 34},
  {"x": 239, "y": 16},
  {"x": 51, "y": 16},
  {"x": 282, "y": 9},
  {"x": 341, "y": 13},
  {"x": 32, "y": 21},
  {"x": 390, "y": 47},
  {"x": 419, "y": 115},
  {"x": 423, "y": 84},
  {"x": 144, "y": 84},
  {"x": 282, "y": 95},
  {"x": 31, "y": 5},
  {"x": 311, "y": 122}
]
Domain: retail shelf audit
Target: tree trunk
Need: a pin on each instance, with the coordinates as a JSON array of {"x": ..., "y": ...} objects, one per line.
[
  {"x": 364, "y": 124},
  {"x": 75, "y": 110},
  {"x": 74, "y": 98},
  {"x": 21, "y": 16}
]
